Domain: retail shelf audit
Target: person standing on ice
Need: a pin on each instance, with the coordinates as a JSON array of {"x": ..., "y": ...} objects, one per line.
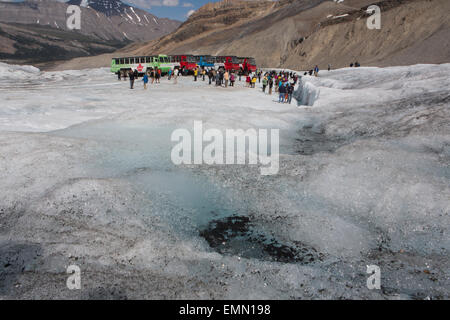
[
  {"x": 286, "y": 89},
  {"x": 232, "y": 79},
  {"x": 169, "y": 74},
  {"x": 329, "y": 67},
  {"x": 316, "y": 71},
  {"x": 145, "y": 79},
  {"x": 195, "y": 74},
  {"x": 281, "y": 91},
  {"x": 131, "y": 75},
  {"x": 157, "y": 74},
  {"x": 221, "y": 76},
  {"x": 118, "y": 75},
  {"x": 152, "y": 75},
  {"x": 226, "y": 77},
  {"x": 175, "y": 76},
  {"x": 209, "y": 76},
  {"x": 290, "y": 91},
  {"x": 264, "y": 83},
  {"x": 270, "y": 85},
  {"x": 247, "y": 81}
]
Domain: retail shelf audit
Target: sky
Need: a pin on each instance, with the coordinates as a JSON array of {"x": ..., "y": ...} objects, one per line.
[{"x": 173, "y": 9}]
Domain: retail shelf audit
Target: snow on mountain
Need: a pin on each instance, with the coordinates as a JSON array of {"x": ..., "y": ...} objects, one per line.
[{"x": 103, "y": 19}]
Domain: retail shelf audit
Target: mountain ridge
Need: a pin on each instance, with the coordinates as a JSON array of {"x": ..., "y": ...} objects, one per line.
[
  {"x": 35, "y": 31},
  {"x": 299, "y": 34}
]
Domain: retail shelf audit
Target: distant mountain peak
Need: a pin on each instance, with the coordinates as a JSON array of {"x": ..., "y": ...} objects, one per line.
[{"x": 107, "y": 7}]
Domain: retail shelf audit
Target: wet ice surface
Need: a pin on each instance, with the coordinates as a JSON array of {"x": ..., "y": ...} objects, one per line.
[{"x": 86, "y": 179}]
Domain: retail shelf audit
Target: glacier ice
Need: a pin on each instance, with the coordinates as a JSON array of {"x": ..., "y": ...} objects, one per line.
[{"x": 86, "y": 178}]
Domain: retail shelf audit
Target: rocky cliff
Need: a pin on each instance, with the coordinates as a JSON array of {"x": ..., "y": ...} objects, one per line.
[{"x": 301, "y": 33}]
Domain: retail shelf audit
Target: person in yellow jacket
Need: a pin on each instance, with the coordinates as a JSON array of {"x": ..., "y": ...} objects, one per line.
[
  {"x": 253, "y": 81},
  {"x": 195, "y": 74}
]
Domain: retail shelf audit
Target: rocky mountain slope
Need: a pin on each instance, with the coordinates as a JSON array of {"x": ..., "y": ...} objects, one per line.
[
  {"x": 103, "y": 19},
  {"x": 28, "y": 43},
  {"x": 301, "y": 33},
  {"x": 35, "y": 30}
]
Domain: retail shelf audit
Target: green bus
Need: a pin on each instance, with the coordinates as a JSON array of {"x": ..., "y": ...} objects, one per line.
[{"x": 143, "y": 64}]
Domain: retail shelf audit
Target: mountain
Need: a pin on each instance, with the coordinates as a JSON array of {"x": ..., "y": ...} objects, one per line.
[
  {"x": 32, "y": 44},
  {"x": 299, "y": 34},
  {"x": 103, "y": 19},
  {"x": 36, "y": 31}
]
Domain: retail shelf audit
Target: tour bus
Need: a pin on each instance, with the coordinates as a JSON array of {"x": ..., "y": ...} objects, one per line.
[
  {"x": 248, "y": 64},
  {"x": 167, "y": 63},
  {"x": 229, "y": 63},
  {"x": 205, "y": 61},
  {"x": 143, "y": 64},
  {"x": 186, "y": 62}
]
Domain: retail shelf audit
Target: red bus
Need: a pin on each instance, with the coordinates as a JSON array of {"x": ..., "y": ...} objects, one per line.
[
  {"x": 248, "y": 64},
  {"x": 187, "y": 62},
  {"x": 229, "y": 63}
]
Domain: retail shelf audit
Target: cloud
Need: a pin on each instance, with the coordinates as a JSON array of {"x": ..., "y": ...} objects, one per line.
[
  {"x": 143, "y": 4},
  {"x": 164, "y": 3},
  {"x": 187, "y": 4},
  {"x": 147, "y": 4},
  {"x": 171, "y": 3},
  {"x": 189, "y": 13}
]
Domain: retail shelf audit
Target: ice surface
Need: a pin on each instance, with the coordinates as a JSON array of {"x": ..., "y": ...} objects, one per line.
[{"x": 86, "y": 178}]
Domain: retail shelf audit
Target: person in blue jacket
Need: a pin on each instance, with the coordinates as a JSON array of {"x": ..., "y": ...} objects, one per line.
[
  {"x": 282, "y": 92},
  {"x": 145, "y": 79}
]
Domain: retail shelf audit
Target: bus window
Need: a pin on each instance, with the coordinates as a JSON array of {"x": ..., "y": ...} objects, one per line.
[
  {"x": 122, "y": 61},
  {"x": 127, "y": 61},
  {"x": 148, "y": 59},
  {"x": 142, "y": 60},
  {"x": 116, "y": 61}
]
